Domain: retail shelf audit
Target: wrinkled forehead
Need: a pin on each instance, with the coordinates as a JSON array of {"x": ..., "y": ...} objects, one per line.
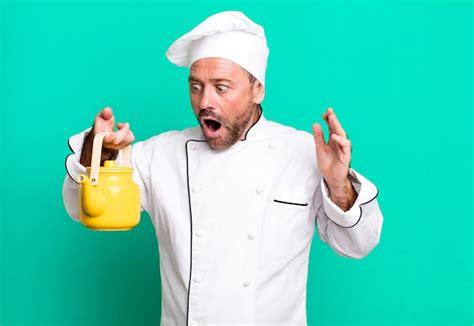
[{"x": 216, "y": 68}]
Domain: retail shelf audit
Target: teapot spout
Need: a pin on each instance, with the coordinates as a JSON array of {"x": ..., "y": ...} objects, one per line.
[{"x": 93, "y": 200}]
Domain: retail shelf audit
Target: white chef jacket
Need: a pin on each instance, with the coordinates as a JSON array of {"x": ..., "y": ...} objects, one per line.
[{"x": 235, "y": 226}]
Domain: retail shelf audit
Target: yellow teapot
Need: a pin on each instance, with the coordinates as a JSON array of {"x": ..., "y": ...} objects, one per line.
[{"x": 109, "y": 200}]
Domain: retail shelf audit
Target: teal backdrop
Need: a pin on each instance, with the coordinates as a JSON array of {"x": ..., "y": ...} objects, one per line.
[{"x": 398, "y": 73}]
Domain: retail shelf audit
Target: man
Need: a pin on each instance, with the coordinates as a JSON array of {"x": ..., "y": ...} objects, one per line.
[{"x": 235, "y": 201}]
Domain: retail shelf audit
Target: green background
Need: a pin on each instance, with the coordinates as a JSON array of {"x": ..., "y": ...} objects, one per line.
[{"x": 398, "y": 73}]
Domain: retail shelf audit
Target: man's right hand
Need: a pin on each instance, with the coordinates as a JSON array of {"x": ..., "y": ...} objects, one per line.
[{"x": 105, "y": 122}]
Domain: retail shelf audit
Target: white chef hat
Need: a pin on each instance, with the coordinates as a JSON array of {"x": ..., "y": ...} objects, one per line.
[{"x": 230, "y": 35}]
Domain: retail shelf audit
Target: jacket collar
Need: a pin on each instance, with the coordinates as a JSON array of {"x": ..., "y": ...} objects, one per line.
[{"x": 256, "y": 129}]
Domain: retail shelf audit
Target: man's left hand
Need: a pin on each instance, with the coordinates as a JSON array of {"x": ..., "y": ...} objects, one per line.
[{"x": 334, "y": 158}]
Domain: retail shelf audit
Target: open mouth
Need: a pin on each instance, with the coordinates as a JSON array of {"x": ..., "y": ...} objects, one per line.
[{"x": 211, "y": 124}]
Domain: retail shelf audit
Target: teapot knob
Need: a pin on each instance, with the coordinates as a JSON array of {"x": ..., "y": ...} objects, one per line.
[{"x": 110, "y": 164}]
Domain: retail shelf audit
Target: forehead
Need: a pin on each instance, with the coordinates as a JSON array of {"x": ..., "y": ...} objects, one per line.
[{"x": 216, "y": 68}]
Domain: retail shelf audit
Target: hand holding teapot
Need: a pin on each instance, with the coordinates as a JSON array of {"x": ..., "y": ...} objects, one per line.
[{"x": 105, "y": 122}]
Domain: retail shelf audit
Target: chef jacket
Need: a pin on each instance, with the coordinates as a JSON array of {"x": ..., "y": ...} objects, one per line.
[{"x": 235, "y": 226}]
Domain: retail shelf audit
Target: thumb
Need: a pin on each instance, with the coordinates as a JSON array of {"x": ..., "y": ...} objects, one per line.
[
  {"x": 318, "y": 135},
  {"x": 106, "y": 113}
]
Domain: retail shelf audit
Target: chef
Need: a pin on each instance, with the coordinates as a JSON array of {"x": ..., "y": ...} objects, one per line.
[{"x": 235, "y": 201}]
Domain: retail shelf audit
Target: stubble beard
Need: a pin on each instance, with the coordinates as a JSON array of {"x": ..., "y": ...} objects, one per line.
[{"x": 234, "y": 129}]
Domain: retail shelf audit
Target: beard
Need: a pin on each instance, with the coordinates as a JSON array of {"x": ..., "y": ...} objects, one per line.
[{"x": 229, "y": 132}]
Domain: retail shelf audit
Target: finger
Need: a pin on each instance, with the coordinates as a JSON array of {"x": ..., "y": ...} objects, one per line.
[
  {"x": 109, "y": 139},
  {"x": 342, "y": 149},
  {"x": 318, "y": 135},
  {"x": 329, "y": 111},
  {"x": 119, "y": 126},
  {"x": 328, "y": 124},
  {"x": 343, "y": 143},
  {"x": 131, "y": 137},
  {"x": 335, "y": 125},
  {"x": 326, "y": 116},
  {"x": 106, "y": 113},
  {"x": 121, "y": 134}
]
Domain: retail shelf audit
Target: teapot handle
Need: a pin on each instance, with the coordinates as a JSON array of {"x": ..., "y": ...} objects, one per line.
[{"x": 96, "y": 155}]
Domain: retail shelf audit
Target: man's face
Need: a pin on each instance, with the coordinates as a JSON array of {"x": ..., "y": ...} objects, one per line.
[{"x": 223, "y": 99}]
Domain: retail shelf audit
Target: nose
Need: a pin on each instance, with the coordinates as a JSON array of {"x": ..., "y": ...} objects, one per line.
[{"x": 207, "y": 99}]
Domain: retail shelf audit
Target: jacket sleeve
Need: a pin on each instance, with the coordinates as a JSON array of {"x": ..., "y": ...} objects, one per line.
[
  {"x": 74, "y": 168},
  {"x": 356, "y": 232}
]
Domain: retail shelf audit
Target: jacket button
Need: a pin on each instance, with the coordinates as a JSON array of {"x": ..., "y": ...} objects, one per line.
[
  {"x": 199, "y": 234},
  {"x": 197, "y": 279},
  {"x": 193, "y": 147},
  {"x": 259, "y": 191},
  {"x": 250, "y": 236},
  {"x": 195, "y": 190},
  {"x": 246, "y": 283}
]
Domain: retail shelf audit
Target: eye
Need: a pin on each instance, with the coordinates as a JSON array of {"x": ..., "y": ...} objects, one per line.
[
  {"x": 195, "y": 87},
  {"x": 222, "y": 88}
]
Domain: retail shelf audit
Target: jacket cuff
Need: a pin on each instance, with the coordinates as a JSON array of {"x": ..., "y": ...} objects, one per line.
[
  {"x": 73, "y": 166},
  {"x": 366, "y": 192}
]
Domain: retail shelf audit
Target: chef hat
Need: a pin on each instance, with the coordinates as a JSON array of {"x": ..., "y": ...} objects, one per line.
[{"x": 230, "y": 35}]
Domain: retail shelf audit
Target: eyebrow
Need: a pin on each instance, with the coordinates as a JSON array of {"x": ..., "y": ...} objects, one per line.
[{"x": 192, "y": 78}]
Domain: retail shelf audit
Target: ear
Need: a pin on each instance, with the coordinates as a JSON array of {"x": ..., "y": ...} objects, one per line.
[{"x": 258, "y": 91}]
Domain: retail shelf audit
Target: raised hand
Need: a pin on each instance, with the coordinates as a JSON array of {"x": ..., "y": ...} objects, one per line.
[{"x": 334, "y": 158}]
